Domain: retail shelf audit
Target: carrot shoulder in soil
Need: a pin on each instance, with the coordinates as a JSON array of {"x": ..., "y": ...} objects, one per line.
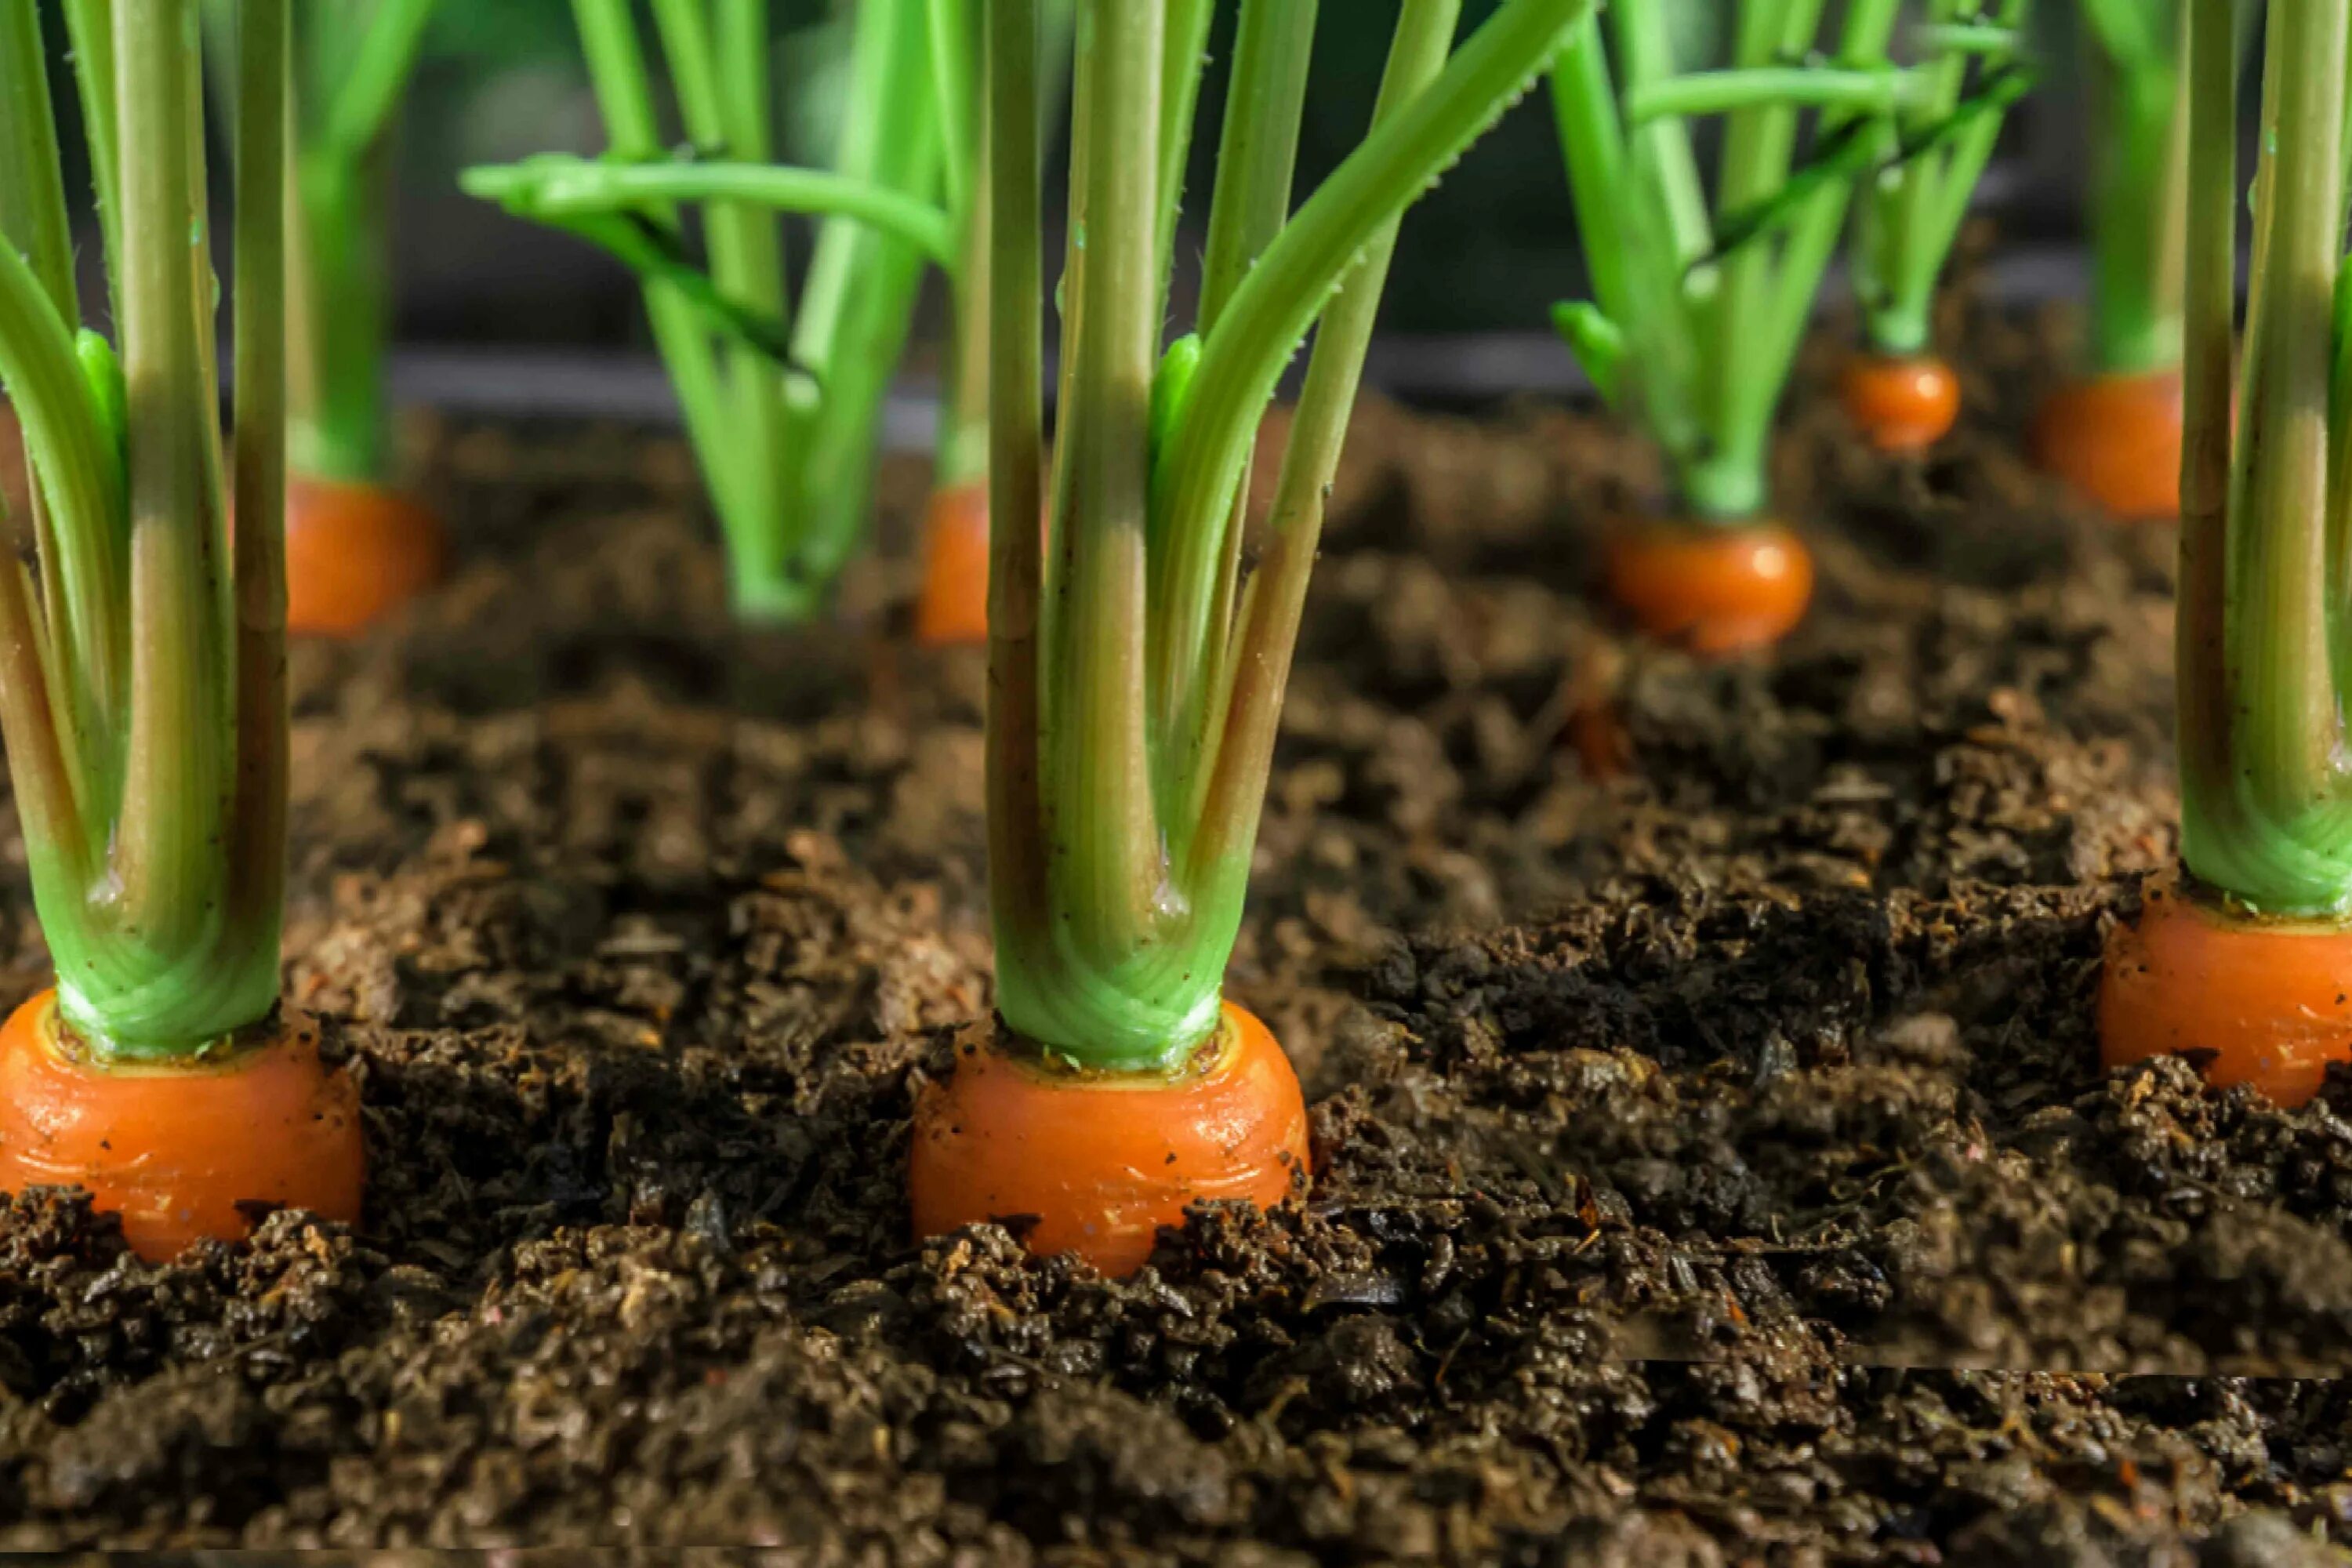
[
  {"x": 1696, "y": 316},
  {"x": 142, "y": 653},
  {"x": 1136, "y": 669},
  {"x": 2245, "y": 956}
]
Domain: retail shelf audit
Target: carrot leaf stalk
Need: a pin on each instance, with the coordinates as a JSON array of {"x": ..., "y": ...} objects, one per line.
[
  {"x": 2138, "y": 154},
  {"x": 782, "y": 397},
  {"x": 1696, "y": 317},
  {"x": 141, "y": 657},
  {"x": 2267, "y": 508},
  {"x": 1136, "y": 669},
  {"x": 1908, "y": 213}
]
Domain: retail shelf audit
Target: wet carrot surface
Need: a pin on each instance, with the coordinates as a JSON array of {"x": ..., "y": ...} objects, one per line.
[
  {"x": 354, "y": 553},
  {"x": 179, "y": 1152},
  {"x": 1899, "y": 404},
  {"x": 2117, "y": 441},
  {"x": 1712, "y": 589},
  {"x": 2262, "y": 1002},
  {"x": 1095, "y": 1164}
]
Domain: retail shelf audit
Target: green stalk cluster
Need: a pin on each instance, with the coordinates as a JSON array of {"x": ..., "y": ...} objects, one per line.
[
  {"x": 783, "y": 407},
  {"x": 1136, "y": 671},
  {"x": 1909, "y": 214},
  {"x": 352, "y": 61},
  {"x": 1696, "y": 314},
  {"x": 142, "y": 654},
  {"x": 2137, "y": 166},
  {"x": 2265, "y": 623}
]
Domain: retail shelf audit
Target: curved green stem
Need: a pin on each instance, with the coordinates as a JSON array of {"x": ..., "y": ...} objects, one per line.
[
  {"x": 1194, "y": 480},
  {"x": 555, "y": 186}
]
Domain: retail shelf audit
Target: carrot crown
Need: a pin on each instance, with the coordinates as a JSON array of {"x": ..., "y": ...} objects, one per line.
[
  {"x": 2138, "y": 154},
  {"x": 1135, "y": 669},
  {"x": 1909, "y": 214},
  {"x": 2265, "y": 641},
  {"x": 783, "y": 409},
  {"x": 1696, "y": 315},
  {"x": 141, "y": 656}
]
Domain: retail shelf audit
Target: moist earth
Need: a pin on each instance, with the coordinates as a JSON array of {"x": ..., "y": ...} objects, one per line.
[{"x": 1713, "y": 1162}]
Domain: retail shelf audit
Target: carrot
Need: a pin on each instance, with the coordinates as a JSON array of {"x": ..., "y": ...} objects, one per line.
[
  {"x": 1714, "y": 590},
  {"x": 2269, "y": 999},
  {"x": 1899, "y": 404},
  {"x": 177, "y": 1148},
  {"x": 354, "y": 553},
  {"x": 953, "y": 604},
  {"x": 2116, "y": 439},
  {"x": 1101, "y": 1160}
]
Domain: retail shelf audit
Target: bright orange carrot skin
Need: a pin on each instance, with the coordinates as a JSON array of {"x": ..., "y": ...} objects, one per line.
[
  {"x": 2117, "y": 441},
  {"x": 174, "y": 1150},
  {"x": 354, "y": 553},
  {"x": 1900, "y": 403},
  {"x": 1103, "y": 1161},
  {"x": 953, "y": 605},
  {"x": 2270, "y": 999},
  {"x": 1714, "y": 590}
]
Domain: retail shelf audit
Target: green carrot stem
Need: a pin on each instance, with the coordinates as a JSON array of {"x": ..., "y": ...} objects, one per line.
[
  {"x": 2137, "y": 156},
  {"x": 858, "y": 303},
  {"x": 1759, "y": 140},
  {"x": 381, "y": 63},
  {"x": 170, "y": 834},
  {"x": 617, "y": 72},
  {"x": 89, "y": 31},
  {"x": 1106, "y": 855},
  {"x": 1232, "y": 793},
  {"x": 1183, "y": 52},
  {"x": 1241, "y": 361},
  {"x": 1699, "y": 93},
  {"x": 555, "y": 186},
  {"x": 2264, "y": 812},
  {"x": 1256, "y": 155},
  {"x": 746, "y": 254},
  {"x": 339, "y": 300}
]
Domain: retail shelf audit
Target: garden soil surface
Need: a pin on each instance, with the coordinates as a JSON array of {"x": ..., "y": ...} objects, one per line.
[{"x": 1713, "y": 1166}]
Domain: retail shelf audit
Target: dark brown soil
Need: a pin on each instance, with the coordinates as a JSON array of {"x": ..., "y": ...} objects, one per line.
[{"x": 1713, "y": 1162}]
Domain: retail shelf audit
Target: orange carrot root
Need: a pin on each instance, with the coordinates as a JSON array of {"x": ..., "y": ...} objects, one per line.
[
  {"x": 1103, "y": 1161},
  {"x": 354, "y": 553},
  {"x": 1714, "y": 590},
  {"x": 2270, "y": 1000},
  {"x": 2116, "y": 439},
  {"x": 174, "y": 1150},
  {"x": 1900, "y": 403},
  {"x": 953, "y": 604}
]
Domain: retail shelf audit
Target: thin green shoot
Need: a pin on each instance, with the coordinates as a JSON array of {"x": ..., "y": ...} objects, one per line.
[
  {"x": 1908, "y": 213},
  {"x": 2138, "y": 164},
  {"x": 1137, "y": 668},
  {"x": 142, "y": 653},
  {"x": 1697, "y": 309}
]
